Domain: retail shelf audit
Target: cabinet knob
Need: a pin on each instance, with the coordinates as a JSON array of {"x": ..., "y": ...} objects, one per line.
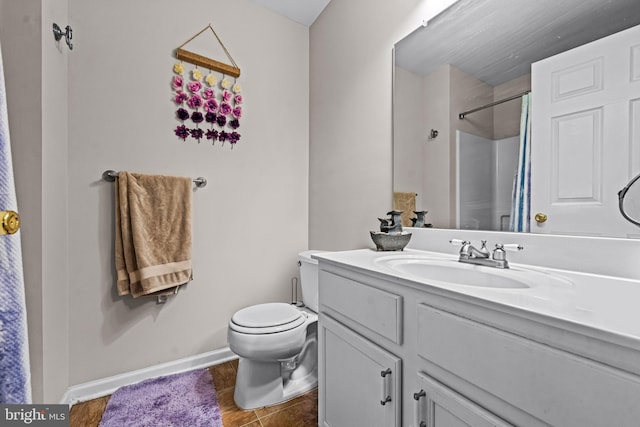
[
  {"x": 9, "y": 221},
  {"x": 541, "y": 217}
]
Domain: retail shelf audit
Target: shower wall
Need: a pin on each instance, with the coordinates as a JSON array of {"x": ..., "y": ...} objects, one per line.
[{"x": 485, "y": 171}]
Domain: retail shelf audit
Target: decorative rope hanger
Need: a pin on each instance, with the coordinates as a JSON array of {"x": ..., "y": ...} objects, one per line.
[
  {"x": 193, "y": 58},
  {"x": 208, "y": 109}
]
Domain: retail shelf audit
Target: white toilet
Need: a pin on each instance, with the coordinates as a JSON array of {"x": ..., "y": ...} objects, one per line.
[{"x": 277, "y": 344}]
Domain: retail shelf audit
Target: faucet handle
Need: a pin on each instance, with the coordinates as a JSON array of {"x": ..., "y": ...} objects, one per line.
[
  {"x": 459, "y": 242},
  {"x": 513, "y": 247}
]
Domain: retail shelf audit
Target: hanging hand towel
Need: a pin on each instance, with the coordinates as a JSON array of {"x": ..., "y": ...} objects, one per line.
[
  {"x": 405, "y": 202},
  {"x": 153, "y": 233}
]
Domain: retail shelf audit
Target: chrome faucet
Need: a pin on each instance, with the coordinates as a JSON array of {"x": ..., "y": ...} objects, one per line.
[{"x": 497, "y": 258}]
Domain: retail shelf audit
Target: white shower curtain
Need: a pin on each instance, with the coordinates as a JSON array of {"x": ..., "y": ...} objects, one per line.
[
  {"x": 15, "y": 385},
  {"x": 521, "y": 196}
]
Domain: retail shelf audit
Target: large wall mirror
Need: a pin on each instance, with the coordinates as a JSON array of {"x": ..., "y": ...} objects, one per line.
[{"x": 487, "y": 80}]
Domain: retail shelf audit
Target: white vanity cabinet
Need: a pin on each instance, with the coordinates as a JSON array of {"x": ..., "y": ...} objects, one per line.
[
  {"x": 459, "y": 361},
  {"x": 359, "y": 380},
  {"x": 436, "y": 405}
]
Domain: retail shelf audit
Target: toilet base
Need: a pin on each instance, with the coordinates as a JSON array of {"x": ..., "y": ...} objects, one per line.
[{"x": 266, "y": 383}]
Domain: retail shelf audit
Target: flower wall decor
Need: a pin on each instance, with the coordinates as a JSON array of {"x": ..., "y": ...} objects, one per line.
[{"x": 207, "y": 108}]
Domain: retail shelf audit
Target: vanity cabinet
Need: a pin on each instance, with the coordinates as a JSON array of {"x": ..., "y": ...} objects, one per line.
[
  {"x": 362, "y": 380},
  {"x": 455, "y": 361},
  {"x": 436, "y": 405}
]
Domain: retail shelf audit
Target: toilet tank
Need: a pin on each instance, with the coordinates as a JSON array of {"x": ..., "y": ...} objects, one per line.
[{"x": 309, "y": 279}]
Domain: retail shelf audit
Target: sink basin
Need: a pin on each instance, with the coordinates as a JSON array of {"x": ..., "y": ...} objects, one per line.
[{"x": 452, "y": 272}]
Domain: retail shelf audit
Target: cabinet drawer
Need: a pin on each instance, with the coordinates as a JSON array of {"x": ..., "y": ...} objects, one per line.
[
  {"x": 376, "y": 310},
  {"x": 556, "y": 387}
]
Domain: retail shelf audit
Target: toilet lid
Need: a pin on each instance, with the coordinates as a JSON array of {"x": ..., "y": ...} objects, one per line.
[{"x": 267, "y": 315}]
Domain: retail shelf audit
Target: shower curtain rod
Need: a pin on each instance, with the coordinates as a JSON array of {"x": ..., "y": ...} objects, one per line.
[{"x": 461, "y": 115}]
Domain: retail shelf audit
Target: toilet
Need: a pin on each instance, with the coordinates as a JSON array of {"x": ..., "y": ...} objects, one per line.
[{"x": 277, "y": 345}]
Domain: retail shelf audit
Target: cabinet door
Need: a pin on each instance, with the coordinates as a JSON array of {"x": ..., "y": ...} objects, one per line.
[
  {"x": 438, "y": 406},
  {"x": 359, "y": 382}
]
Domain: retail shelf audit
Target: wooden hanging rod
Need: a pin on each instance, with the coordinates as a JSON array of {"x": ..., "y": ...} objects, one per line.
[{"x": 203, "y": 61}]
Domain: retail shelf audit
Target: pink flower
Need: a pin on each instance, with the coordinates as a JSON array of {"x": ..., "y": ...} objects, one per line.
[
  {"x": 211, "y": 106},
  {"x": 194, "y": 86},
  {"x": 181, "y": 97},
  {"x": 225, "y": 108},
  {"x": 226, "y": 96},
  {"x": 195, "y": 101},
  {"x": 237, "y": 112},
  {"x": 209, "y": 94},
  {"x": 177, "y": 82},
  {"x": 238, "y": 99}
]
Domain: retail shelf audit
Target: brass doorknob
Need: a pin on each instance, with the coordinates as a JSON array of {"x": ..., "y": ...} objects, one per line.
[
  {"x": 540, "y": 217},
  {"x": 9, "y": 222}
]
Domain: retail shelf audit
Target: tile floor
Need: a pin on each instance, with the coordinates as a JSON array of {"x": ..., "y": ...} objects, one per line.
[{"x": 299, "y": 412}]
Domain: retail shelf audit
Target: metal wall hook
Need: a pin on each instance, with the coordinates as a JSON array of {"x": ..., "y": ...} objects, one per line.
[{"x": 68, "y": 34}]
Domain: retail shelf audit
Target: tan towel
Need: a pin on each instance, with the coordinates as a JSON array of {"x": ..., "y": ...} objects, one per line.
[
  {"x": 153, "y": 233},
  {"x": 405, "y": 202}
]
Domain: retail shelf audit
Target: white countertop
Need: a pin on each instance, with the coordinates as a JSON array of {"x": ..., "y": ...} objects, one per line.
[{"x": 606, "y": 304}]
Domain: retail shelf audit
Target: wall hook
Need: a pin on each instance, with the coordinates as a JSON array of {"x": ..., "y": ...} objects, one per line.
[
  {"x": 433, "y": 134},
  {"x": 68, "y": 34}
]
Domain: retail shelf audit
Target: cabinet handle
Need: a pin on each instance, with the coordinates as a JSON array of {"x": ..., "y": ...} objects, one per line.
[
  {"x": 417, "y": 422},
  {"x": 386, "y": 397}
]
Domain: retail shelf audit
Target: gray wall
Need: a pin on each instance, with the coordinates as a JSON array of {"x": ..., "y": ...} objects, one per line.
[
  {"x": 350, "y": 127},
  {"x": 107, "y": 105}
]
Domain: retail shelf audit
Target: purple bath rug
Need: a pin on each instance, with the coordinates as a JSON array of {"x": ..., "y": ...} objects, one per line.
[{"x": 180, "y": 400}]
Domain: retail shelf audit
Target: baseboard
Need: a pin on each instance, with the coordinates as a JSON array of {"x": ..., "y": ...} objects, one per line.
[{"x": 106, "y": 386}]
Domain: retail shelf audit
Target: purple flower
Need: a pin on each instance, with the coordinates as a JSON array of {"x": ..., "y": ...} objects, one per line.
[
  {"x": 225, "y": 108},
  {"x": 195, "y": 101},
  {"x": 209, "y": 94},
  {"x": 182, "y": 132},
  {"x": 210, "y": 117},
  {"x": 238, "y": 99},
  {"x": 197, "y": 117},
  {"x": 177, "y": 82},
  {"x": 212, "y": 134},
  {"x": 194, "y": 86},
  {"x": 181, "y": 97},
  {"x": 211, "y": 106},
  {"x": 182, "y": 114},
  {"x": 234, "y": 137},
  {"x": 197, "y": 133},
  {"x": 237, "y": 112},
  {"x": 221, "y": 120},
  {"x": 226, "y": 96},
  {"x": 234, "y": 124},
  {"x": 222, "y": 137}
]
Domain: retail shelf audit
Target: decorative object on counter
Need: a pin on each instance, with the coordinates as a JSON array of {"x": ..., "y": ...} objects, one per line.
[
  {"x": 418, "y": 221},
  {"x": 390, "y": 242},
  {"x": 390, "y": 237},
  {"x": 395, "y": 225},
  {"x": 405, "y": 201},
  {"x": 384, "y": 224},
  {"x": 216, "y": 103}
]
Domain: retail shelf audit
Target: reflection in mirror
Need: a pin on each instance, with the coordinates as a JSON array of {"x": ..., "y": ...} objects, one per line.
[
  {"x": 476, "y": 58},
  {"x": 629, "y": 201}
]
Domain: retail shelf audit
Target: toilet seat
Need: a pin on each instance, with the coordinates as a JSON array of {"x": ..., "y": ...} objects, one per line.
[{"x": 267, "y": 318}]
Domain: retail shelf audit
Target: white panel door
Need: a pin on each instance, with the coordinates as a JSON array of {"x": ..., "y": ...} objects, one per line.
[{"x": 586, "y": 136}]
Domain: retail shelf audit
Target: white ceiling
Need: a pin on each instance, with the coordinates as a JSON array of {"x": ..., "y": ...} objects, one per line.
[
  {"x": 304, "y": 12},
  {"x": 497, "y": 40}
]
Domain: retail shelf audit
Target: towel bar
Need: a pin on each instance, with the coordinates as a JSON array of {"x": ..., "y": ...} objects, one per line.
[{"x": 110, "y": 175}]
